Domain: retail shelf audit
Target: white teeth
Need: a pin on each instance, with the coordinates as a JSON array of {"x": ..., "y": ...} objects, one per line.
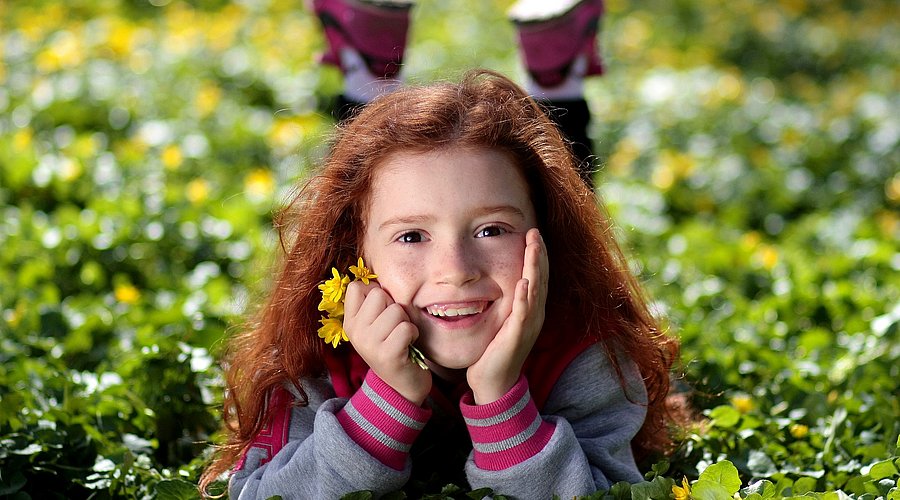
[{"x": 458, "y": 311}]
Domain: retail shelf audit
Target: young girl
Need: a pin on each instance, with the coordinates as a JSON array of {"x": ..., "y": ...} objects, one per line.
[{"x": 546, "y": 371}]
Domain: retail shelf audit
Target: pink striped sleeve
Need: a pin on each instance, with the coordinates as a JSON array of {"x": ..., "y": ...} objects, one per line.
[
  {"x": 383, "y": 422},
  {"x": 507, "y": 431}
]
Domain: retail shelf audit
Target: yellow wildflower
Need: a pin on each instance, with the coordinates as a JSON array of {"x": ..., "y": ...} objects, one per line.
[
  {"x": 730, "y": 86},
  {"x": 334, "y": 309},
  {"x": 892, "y": 189},
  {"x": 333, "y": 289},
  {"x": 23, "y": 139},
  {"x": 197, "y": 191},
  {"x": 172, "y": 157},
  {"x": 332, "y": 330},
  {"x": 207, "y": 98},
  {"x": 799, "y": 431},
  {"x": 259, "y": 184},
  {"x": 121, "y": 37},
  {"x": 768, "y": 256},
  {"x": 623, "y": 157},
  {"x": 285, "y": 134},
  {"x": 362, "y": 272},
  {"x": 69, "y": 169},
  {"x": 684, "y": 491},
  {"x": 127, "y": 293},
  {"x": 742, "y": 403}
]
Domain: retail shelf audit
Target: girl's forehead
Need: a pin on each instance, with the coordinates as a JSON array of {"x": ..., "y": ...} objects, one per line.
[{"x": 450, "y": 179}]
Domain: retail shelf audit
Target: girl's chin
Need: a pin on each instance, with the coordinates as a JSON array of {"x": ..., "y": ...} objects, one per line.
[
  {"x": 455, "y": 375},
  {"x": 451, "y": 367}
]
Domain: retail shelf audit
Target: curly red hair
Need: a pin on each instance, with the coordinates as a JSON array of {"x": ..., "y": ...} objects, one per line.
[{"x": 590, "y": 287}]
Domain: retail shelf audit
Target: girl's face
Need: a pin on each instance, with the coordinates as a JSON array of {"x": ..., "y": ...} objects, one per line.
[{"x": 445, "y": 232}]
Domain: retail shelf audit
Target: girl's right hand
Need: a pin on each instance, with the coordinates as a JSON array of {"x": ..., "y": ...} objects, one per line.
[{"x": 381, "y": 333}]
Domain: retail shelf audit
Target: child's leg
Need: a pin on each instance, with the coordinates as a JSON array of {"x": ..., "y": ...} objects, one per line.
[
  {"x": 559, "y": 48},
  {"x": 366, "y": 40}
]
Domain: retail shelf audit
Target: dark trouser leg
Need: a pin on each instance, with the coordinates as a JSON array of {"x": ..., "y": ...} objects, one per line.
[{"x": 573, "y": 117}]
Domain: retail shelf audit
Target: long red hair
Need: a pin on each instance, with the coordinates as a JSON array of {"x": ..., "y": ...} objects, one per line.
[{"x": 591, "y": 287}]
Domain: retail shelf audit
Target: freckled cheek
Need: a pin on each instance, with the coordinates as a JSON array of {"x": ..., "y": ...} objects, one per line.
[
  {"x": 399, "y": 279},
  {"x": 507, "y": 266}
]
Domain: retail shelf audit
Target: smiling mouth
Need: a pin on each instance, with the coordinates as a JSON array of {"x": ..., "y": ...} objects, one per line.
[{"x": 451, "y": 311}]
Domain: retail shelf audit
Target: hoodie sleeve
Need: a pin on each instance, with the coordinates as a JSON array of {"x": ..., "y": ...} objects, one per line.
[
  {"x": 332, "y": 446},
  {"x": 581, "y": 444}
]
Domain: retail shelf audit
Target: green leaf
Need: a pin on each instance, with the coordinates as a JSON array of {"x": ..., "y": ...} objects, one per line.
[
  {"x": 725, "y": 474},
  {"x": 764, "y": 489},
  {"x": 358, "y": 495},
  {"x": 640, "y": 491},
  {"x": 835, "y": 495},
  {"x": 658, "y": 489},
  {"x": 479, "y": 493},
  {"x": 450, "y": 488},
  {"x": 657, "y": 469},
  {"x": 704, "y": 489},
  {"x": 11, "y": 483},
  {"x": 882, "y": 470},
  {"x": 804, "y": 485},
  {"x": 725, "y": 416},
  {"x": 621, "y": 490},
  {"x": 176, "y": 489}
]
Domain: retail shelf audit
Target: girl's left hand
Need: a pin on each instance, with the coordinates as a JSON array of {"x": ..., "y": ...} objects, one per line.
[{"x": 498, "y": 369}]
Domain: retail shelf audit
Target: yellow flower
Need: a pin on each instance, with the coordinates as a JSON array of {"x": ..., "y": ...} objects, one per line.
[
  {"x": 197, "y": 191},
  {"x": 742, "y": 404},
  {"x": 172, "y": 156},
  {"x": 362, "y": 273},
  {"x": 334, "y": 309},
  {"x": 892, "y": 188},
  {"x": 127, "y": 293},
  {"x": 207, "y": 98},
  {"x": 69, "y": 170},
  {"x": 22, "y": 139},
  {"x": 259, "y": 184},
  {"x": 799, "y": 431},
  {"x": 768, "y": 256},
  {"x": 332, "y": 330},
  {"x": 333, "y": 289},
  {"x": 683, "y": 492}
]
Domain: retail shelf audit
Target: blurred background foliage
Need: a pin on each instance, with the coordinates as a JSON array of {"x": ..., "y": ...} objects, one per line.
[{"x": 748, "y": 151}]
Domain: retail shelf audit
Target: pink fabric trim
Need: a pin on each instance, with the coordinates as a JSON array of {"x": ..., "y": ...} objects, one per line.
[
  {"x": 506, "y": 426},
  {"x": 272, "y": 438},
  {"x": 471, "y": 410},
  {"x": 505, "y": 459},
  {"x": 398, "y": 433}
]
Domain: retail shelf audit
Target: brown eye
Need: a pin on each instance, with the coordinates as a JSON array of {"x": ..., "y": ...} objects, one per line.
[
  {"x": 410, "y": 237},
  {"x": 489, "y": 231}
]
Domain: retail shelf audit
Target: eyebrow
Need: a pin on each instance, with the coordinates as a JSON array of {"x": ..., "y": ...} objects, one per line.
[{"x": 481, "y": 212}]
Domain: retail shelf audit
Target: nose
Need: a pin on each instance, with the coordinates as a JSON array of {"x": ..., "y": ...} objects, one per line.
[{"x": 457, "y": 264}]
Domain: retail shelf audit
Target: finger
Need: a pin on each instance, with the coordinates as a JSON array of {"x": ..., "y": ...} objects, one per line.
[
  {"x": 522, "y": 303},
  {"x": 387, "y": 321},
  {"x": 361, "y": 312},
  {"x": 355, "y": 296},
  {"x": 536, "y": 266},
  {"x": 401, "y": 337},
  {"x": 375, "y": 302}
]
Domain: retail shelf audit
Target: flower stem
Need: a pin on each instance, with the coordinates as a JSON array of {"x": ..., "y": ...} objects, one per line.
[{"x": 416, "y": 356}]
